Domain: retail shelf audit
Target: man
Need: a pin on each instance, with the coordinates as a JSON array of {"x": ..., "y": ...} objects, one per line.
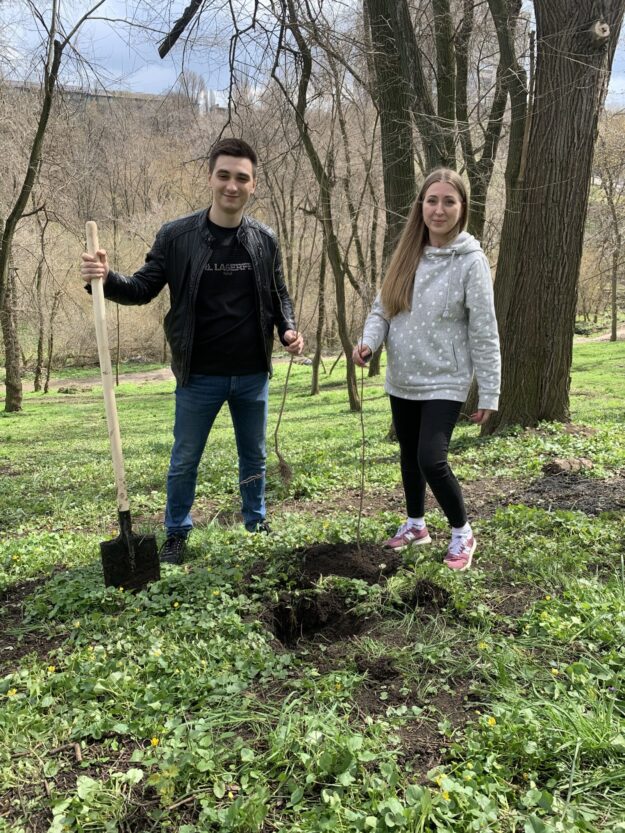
[{"x": 227, "y": 293}]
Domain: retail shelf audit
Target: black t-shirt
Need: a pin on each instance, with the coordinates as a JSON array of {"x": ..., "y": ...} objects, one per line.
[{"x": 227, "y": 340}]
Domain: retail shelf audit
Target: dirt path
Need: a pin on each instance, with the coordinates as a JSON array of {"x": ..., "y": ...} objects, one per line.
[
  {"x": 163, "y": 374},
  {"x": 620, "y": 335}
]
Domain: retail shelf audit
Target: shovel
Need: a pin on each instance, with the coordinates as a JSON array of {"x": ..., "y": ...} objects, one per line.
[{"x": 129, "y": 561}]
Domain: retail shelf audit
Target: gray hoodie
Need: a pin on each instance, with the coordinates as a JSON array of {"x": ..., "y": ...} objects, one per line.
[{"x": 449, "y": 332}]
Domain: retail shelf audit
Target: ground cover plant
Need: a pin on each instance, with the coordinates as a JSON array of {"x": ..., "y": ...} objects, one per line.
[{"x": 296, "y": 681}]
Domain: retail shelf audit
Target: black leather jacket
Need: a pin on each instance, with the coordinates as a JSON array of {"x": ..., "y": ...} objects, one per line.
[{"x": 178, "y": 258}]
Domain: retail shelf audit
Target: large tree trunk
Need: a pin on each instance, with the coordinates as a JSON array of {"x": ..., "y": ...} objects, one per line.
[
  {"x": 393, "y": 100},
  {"x": 541, "y": 244},
  {"x": 12, "y": 365}
]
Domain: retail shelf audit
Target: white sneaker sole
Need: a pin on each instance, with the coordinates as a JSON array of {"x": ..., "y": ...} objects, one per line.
[
  {"x": 418, "y": 543},
  {"x": 469, "y": 562}
]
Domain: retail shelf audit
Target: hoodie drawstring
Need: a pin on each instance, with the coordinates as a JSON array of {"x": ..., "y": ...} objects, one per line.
[{"x": 446, "y": 310}]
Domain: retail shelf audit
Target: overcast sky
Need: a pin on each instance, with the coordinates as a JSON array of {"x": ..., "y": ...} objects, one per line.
[
  {"x": 141, "y": 69},
  {"x": 127, "y": 58}
]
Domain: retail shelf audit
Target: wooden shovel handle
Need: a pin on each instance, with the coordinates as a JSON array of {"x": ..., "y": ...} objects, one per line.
[{"x": 106, "y": 371}]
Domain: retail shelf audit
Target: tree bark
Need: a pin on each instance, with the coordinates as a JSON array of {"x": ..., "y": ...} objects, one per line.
[
  {"x": 541, "y": 244},
  {"x": 321, "y": 314},
  {"x": 12, "y": 364},
  {"x": 41, "y": 335},
  {"x": 392, "y": 95}
]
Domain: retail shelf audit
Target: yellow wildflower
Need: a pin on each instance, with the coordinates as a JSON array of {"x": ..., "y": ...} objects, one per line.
[
  {"x": 491, "y": 721},
  {"x": 445, "y": 795},
  {"x": 482, "y": 646},
  {"x": 547, "y": 598},
  {"x": 555, "y": 672},
  {"x": 176, "y": 604},
  {"x": 11, "y": 692},
  {"x": 51, "y": 669},
  {"x": 230, "y": 795},
  {"x": 155, "y": 741},
  {"x": 76, "y": 623}
]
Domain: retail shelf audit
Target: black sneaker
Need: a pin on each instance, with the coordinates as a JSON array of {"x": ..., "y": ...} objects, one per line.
[
  {"x": 172, "y": 551},
  {"x": 261, "y": 526}
]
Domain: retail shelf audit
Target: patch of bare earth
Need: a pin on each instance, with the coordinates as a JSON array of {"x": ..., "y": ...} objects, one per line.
[
  {"x": 15, "y": 640},
  {"x": 95, "y": 759},
  {"x": 575, "y": 492}
]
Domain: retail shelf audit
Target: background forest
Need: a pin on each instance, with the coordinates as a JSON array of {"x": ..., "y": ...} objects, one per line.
[{"x": 348, "y": 104}]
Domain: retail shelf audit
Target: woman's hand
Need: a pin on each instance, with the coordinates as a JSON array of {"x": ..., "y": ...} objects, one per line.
[
  {"x": 481, "y": 415},
  {"x": 361, "y": 354}
]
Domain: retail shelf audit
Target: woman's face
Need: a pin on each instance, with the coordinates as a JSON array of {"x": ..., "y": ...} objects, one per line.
[{"x": 442, "y": 210}]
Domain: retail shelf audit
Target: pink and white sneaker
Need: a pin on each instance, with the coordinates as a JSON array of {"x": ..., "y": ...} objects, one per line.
[
  {"x": 460, "y": 552},
  {"x": 406, "y": 535}
]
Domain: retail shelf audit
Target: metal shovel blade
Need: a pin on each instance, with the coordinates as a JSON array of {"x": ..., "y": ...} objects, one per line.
[{"x": 130, "y": 561}]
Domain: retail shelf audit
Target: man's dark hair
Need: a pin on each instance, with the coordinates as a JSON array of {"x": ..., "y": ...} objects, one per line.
[{"x": 231, "y": 147}]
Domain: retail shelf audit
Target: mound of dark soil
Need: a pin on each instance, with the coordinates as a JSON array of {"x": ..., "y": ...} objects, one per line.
[
  {"x": 371, "y": 563},
  {"x": 575, "y": 491}
]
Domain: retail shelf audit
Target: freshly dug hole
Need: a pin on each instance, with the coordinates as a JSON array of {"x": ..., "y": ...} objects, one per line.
[{"x": 296, "y": 617}]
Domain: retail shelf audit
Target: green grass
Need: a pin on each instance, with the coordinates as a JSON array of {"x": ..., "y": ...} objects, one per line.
[{"x": 503, "y": 710}]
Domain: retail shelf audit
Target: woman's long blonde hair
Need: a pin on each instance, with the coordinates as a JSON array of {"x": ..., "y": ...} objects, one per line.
[{"x": 396, "y": 294}]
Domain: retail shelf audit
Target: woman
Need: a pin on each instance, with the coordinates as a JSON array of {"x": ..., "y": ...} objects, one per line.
[{"x": 436, "y": 314}]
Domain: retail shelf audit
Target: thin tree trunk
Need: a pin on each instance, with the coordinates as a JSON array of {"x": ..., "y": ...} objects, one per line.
[
  {"x": 41, "y": 336},
  {"x": 55, "y": 306},
  {"x": 615, "y": 267},
  {"x": 321, "y": 313},
  {"x": 12, "y": 364}
]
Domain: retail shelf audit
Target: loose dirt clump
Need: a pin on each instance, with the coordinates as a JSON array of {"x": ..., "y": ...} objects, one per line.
[
  {"x": 574, "y": 491},
  {"x": 371, "y": 563},
  {"x": 297, "y": 617}
]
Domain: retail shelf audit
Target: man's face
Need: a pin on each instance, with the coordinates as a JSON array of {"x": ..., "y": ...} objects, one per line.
[{"x": 232, "y": 182}]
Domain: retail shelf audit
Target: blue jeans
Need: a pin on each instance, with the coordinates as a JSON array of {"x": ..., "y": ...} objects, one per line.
[{"x": 197, "y": 405}]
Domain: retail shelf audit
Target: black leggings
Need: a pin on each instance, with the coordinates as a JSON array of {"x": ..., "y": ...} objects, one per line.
[{"x": 424, "y": 429}]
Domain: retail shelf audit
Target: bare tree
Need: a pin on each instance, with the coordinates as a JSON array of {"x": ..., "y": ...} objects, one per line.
[
  {"x": 610, "y": 171},
  {"x": 55, "y": 44}
]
